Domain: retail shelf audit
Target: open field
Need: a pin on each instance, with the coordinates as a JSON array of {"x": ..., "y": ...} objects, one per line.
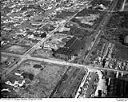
[
  {"x": 34, "y": 79},
  {"x": 64, "y": 48}
]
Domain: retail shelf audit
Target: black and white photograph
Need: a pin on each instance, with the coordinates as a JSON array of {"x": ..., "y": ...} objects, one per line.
[{"x": 64, "y": 49}]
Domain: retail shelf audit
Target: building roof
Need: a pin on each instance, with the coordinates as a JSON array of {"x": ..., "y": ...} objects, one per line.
[{"x": 126, "y": 39}]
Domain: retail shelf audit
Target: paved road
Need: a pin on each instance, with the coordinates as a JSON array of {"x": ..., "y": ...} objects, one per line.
[
  {"x": 122, "y": 9},
  {"x": 100, "y": 28},
  {"x": 89, "y": 67},
  {"x": 27, "y": 55},
  {"x": 40, "y": 43},
  {"x": 82, "y": 83}
]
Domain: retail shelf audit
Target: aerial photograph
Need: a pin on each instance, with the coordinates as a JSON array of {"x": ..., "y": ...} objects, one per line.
[{"x": 64, "y": 49}]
